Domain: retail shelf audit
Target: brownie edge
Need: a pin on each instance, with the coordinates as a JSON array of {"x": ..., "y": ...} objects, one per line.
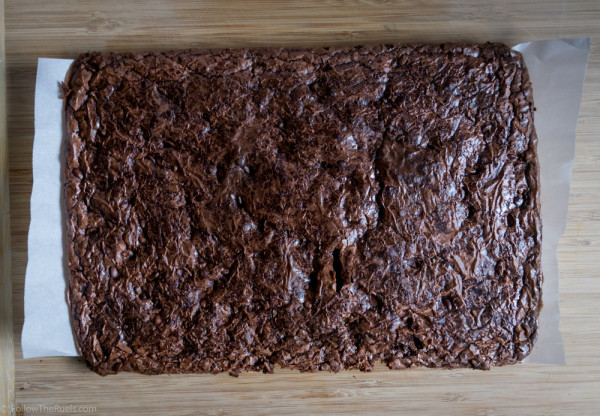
[{"x": 319, "y": 209}]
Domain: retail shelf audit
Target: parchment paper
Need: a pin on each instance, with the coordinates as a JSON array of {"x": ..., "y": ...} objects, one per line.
[
  {"x": 47, "y": 327},
  {"x": 557, "y": 70}
]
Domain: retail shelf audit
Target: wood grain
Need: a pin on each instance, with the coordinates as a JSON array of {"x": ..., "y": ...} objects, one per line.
[
  {"x": 7, "y": 375},
  {"x": 65, "y": 28}
]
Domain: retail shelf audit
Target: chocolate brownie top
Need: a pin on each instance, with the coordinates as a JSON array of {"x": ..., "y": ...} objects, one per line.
[{"x": 319, "y": 209}]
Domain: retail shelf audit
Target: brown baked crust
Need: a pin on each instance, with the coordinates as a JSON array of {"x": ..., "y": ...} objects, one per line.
[{"x": 320, "y": 209}]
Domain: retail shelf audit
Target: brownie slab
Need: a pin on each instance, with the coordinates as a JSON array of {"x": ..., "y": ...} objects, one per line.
[{"x": 320, "y": 209}]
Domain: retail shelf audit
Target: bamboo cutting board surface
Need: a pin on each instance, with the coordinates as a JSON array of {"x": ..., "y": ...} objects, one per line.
[{"x": 63, "y": 28}]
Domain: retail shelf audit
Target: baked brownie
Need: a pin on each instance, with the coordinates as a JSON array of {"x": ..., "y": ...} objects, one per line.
[{"x": 320, "y": 209}]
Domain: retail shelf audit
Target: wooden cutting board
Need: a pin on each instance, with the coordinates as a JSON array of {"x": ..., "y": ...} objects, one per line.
[{"x": 62, "y": 29}]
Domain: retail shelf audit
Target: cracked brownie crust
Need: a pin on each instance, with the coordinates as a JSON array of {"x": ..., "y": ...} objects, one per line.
[{"x": 320, "y": 209}]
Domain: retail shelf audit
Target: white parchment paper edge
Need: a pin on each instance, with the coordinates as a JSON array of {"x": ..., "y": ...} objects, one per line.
[{"x": 557, "y": 72}]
